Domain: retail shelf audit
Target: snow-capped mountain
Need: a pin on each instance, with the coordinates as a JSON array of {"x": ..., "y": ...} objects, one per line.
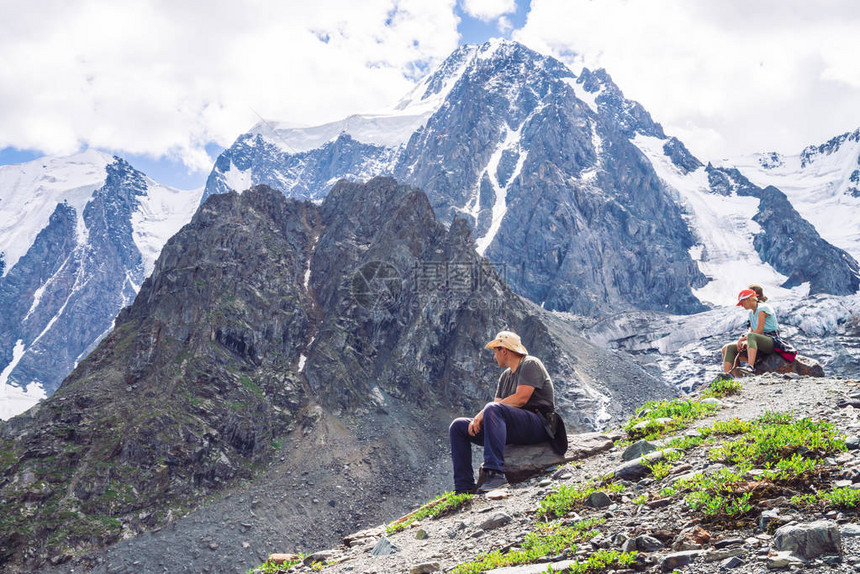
[
  {"x": 822, "y": 182},
  {"x": 78, "y": 236},
  {"x": 581, "y": 197}
]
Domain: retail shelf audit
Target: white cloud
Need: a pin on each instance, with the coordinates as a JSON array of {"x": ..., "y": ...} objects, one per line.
[
  {"x": 488, "y": 10},
  {"x": 726, "y": 77},
  {"x": 158, "y": 77}
]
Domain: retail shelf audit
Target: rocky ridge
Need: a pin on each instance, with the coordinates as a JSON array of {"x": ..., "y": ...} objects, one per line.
[
  {"x": 665, "y": 532},
  {"x": 319, "y": 349}
]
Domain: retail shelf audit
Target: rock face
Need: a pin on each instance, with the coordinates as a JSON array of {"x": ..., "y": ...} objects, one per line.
[
  {"x": 274, "y": 331},
  {"x": 538, "y": 161}
]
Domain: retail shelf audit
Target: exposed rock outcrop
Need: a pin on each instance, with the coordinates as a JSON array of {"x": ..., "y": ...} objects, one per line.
[{"x": 279, "y": 339}]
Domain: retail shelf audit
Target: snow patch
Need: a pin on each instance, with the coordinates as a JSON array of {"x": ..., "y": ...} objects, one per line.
[
  {"x": 728, "y": 259},
  {"x": 817, "y": 190},
  {"x": 590, "y": 98},
  {"x": 13, "y": 399},
  {"x": 160, "y": 214},
  {"x": 236, "y": 179}
]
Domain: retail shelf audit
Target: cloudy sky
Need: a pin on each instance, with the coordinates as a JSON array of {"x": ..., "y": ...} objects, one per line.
[{"x": 171, "y": 83}]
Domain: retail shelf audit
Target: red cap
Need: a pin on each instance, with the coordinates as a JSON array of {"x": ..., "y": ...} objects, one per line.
[{"x": 745, "y": 294}]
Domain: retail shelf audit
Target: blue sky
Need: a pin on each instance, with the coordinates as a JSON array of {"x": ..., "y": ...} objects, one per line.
[{"x": 168, "y": 85}]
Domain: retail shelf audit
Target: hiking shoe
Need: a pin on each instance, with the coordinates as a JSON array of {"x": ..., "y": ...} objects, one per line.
[
  {"x": 745, "y": 367},
  {"x": 482, "y": 477},
  {"x": 495, "y": 479}
]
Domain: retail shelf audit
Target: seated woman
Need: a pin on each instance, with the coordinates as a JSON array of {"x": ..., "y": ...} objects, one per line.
[{"x": 762, "y": 328}]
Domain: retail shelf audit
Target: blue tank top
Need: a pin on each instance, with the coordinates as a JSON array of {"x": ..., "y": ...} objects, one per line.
[{"x": 769, "y": 319}]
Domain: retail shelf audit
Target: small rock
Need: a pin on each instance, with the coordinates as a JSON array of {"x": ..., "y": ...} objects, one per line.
[
  {"x": 782, "y": 560},
  {"x": 678, "y": 560},
  {"x": 384, "y": 548},
  {"x": 498, "y": 494},
  {"x": 732, "y": 562},
  {"x": 424, "y": 568},
  {"x": 421, "y": 534},
  {"x": 281, "y": 558},
  {"x": 321, "y": 556},
  {"x": 852, "y": 442},
  {"x": 598, "y": 500},
  {"x": 213, "y": 546},
  {"x": 637, "y": 468},
  {"x": 637, "y": 449},
  {"x": 648, "y": 544},
  {"x": 628, "y": 545},
  {"x": 728, "y": 542},
  {"x": 851, "y": 530},
  {"x": 497, "y": 520},
  {"x": 712, "y": 401}
]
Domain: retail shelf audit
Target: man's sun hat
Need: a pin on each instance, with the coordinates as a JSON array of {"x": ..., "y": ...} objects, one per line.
[
  {"x": 508, "y": 340},
  {"x": 745, "y": 294}
]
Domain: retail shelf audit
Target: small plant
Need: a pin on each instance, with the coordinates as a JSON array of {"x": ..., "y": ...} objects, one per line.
[
  {"x": 602, "y": 560},
  {"x": 668, "y": 492},
  {"x": 842, "y": 497},
  {"x": 792, "y": 468},
  {"x": 565, "y": 497},
  {"x": 685, "y": 442},
  {"x": 660, "y": 469},
  {"x": 732, "y": 427},
  {"x": 442, "y": 504},
  {"x": 723, "y": 388},
  {"x": 548, "y": 540},
  {"x": 719, "y": 493},
  {"x": 641, "y": 499},
  {"x": 680, "y": 411}
]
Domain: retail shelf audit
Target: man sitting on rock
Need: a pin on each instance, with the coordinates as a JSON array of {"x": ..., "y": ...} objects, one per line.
[{"x": 524, "y": 390}]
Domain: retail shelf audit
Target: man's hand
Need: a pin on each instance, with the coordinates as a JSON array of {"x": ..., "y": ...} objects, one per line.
[{"x": 476, "y": 424}]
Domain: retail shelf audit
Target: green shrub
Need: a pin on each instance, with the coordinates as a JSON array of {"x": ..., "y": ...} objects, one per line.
[
  {"x": 548, "y": 540},
  {"x": 441, "y": 505},
  {"x": 680, "y": 411},
  {"x": 773, "y": 438},
  {"x": 565, "y": 497},
  {"x": 723, "y": 388}
]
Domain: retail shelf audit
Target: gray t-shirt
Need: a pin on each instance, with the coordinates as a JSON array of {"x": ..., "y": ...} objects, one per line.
[{"x": 531, "y": 372}]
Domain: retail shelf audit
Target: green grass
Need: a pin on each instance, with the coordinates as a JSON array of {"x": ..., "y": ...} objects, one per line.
[
  {"x": 681, "y": 412},
  {"x": 445, "y": 503},
  {"x": 549, "y": 539},
  {"x": 565, "y": 497}
]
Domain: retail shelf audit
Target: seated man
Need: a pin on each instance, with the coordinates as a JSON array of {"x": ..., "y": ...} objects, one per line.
[{"x": 524, "y": 390}]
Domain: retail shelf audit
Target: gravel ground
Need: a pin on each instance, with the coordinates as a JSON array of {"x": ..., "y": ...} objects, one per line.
[{"x": 465, "y": 535}]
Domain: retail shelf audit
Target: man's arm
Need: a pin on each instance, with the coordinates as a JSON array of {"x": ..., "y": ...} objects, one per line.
[{"x": 520, "y": 397}]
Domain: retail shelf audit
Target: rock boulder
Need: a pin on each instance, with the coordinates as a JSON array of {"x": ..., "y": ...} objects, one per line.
[
  {"x": 804, "y": 366},
  {"x": 523, "y": 461}
]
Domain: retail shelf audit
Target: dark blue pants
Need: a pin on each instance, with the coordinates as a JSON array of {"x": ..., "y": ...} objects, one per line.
[{"x": 503, "y": 425}]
